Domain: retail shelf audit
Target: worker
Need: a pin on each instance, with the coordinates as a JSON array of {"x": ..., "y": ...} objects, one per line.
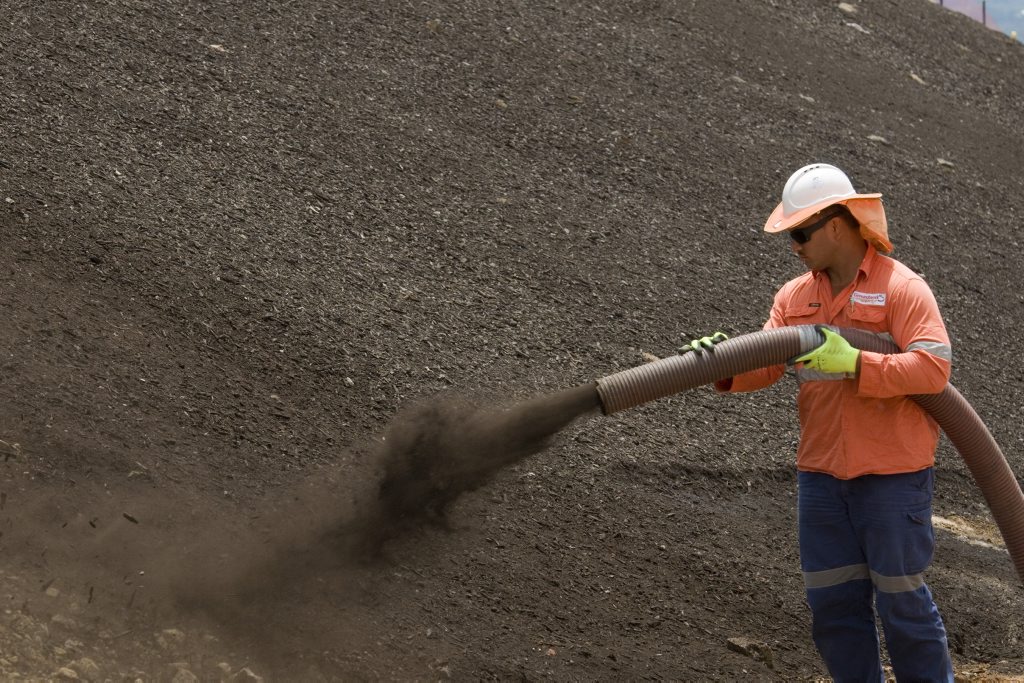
[{"x": 867, "y": 451}]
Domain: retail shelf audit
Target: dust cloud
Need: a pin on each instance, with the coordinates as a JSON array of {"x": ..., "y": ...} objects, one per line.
[
  {"x": 337, "y": 523},
  {"x": 301, "y": 568},
  {"x": 436, "y": 451},
  {"x": 429, "y": 455}
]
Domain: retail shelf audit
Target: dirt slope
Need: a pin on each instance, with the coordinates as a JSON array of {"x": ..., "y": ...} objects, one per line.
[{"x": 241, "y": 236}]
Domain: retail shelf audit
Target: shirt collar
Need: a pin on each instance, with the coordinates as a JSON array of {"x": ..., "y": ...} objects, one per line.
[{"x": 868, "y": 262}]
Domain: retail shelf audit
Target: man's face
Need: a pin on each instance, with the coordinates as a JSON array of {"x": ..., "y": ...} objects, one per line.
[{"x": 809, "y": 240}]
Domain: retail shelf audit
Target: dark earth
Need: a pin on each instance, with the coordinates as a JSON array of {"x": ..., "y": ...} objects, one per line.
[{"x": 245, "y": 241}]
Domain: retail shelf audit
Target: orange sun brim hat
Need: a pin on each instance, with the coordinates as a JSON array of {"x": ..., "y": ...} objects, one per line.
[{"x": 816, "y": 187}]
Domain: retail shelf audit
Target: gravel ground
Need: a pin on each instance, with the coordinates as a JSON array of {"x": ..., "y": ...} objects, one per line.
[{"x": 245, "y": 239}]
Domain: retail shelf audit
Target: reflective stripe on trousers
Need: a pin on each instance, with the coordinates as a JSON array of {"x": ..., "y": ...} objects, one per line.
[{"x": 864, "y": 545}]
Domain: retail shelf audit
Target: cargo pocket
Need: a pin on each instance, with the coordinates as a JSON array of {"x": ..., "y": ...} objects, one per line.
[
  {"x": 919, "y": 518},
  {"x": 870, "y": 318},
  {"x": 919, "y": 541},
  {"x": 803, "y": 314}
]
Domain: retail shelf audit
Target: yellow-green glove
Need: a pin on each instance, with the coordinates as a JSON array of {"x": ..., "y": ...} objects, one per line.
[
  {"x": 834, "y": 357},
  {"x": 698, "y": 346}
]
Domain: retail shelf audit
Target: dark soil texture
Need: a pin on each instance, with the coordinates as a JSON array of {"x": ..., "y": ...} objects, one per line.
[{"x": 247, "y": 243}]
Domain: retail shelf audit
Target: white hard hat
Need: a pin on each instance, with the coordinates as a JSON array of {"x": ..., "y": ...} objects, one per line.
[{"x": 818, "y": 186}]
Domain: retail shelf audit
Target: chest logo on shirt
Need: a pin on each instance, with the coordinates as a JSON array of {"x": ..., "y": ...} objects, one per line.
[{"x": 868, "y": 298}]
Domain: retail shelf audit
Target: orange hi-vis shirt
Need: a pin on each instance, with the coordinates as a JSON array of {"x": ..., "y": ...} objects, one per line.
[{"x": 867, "y": 425}]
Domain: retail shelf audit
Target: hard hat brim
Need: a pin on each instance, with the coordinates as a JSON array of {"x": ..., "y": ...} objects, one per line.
[{"x": 780, "y": 222}]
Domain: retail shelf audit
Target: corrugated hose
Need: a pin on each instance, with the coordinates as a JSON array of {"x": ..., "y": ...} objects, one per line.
[{"x": 956, "y": 417}]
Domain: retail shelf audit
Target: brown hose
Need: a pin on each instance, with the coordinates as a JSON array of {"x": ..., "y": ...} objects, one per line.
[{"x": 966, "y": 431}]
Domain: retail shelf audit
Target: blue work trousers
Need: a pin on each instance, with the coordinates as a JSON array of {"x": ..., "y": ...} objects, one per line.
[{"x": 864, "y": 545}]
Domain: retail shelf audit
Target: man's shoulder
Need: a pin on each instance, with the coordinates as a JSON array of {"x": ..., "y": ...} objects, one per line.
[
  {"x": 801, "y": 285},
  {"x": 801, "y": 281},
  {"x": 894, "y": 271}
]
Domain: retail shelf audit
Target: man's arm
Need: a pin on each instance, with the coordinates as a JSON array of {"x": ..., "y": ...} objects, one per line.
[{"x": 917, "y": 328}]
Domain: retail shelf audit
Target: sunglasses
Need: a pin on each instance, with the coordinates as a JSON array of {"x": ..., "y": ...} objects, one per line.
[{"x": 803, "y": 235}]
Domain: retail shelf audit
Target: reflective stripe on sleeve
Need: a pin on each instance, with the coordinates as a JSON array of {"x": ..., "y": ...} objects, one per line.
[
  {"x": 937, "y": 349},
  {"x": 806, "y": 375}
]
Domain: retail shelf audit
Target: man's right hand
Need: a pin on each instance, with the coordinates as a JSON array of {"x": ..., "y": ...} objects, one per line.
[{"x": 698, "y": 346}]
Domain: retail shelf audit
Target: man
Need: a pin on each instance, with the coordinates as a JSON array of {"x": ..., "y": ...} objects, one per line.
[{"x": 866, "y": 450}]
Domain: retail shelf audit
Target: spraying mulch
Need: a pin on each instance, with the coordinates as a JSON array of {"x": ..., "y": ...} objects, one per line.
[
  {"x": 434, "y": 452},
  {"x": 430, "y": 454}
]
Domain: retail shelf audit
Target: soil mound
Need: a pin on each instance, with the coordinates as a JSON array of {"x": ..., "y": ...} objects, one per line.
[{"x": 246, "y": 241}]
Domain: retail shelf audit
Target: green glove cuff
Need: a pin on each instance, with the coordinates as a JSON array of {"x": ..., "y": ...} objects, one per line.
[{"x": 835, "y": 356}]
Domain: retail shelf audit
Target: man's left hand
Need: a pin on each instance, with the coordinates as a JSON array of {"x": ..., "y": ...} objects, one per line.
[{"x": 834, "y": 357}]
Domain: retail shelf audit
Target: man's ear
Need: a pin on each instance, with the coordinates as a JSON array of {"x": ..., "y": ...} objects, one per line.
[{"x": 846, "y": 223}]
